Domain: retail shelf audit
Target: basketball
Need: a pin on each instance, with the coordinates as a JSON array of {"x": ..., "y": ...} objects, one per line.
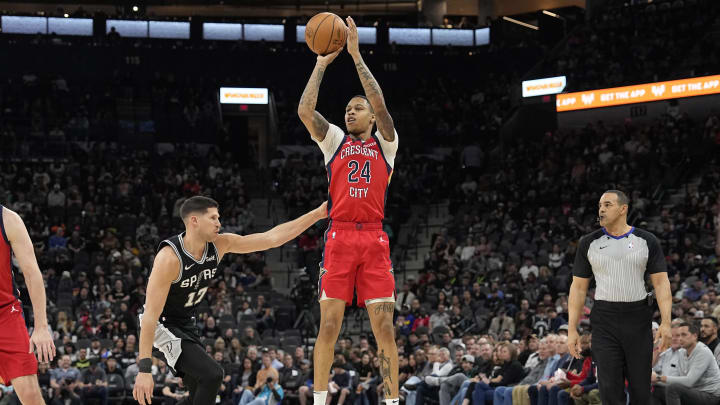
[{"x": 325, "y": 33}]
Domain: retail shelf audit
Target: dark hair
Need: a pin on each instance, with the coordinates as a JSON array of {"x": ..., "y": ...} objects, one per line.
[
  {"x": 621, "y": 197},
  {"x": 196, "y": 204},
  {"x": 693, "y": 327},
  {"x": 366, "y": 99},
  {"x": 512, "y": 349},
  {"x": 713, "y": 319}
]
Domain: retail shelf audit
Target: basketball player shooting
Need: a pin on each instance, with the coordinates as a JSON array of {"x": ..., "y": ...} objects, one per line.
[
  {"x": 357, "y": 253},
  {"x": 182, "y": 272},
  {"x": 18, "y": 366}
]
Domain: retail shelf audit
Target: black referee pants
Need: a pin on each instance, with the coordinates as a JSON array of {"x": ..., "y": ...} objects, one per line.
[{"x": 622, "y": 347}]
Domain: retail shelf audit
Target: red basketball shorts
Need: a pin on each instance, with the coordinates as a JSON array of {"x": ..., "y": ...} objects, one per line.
[
  {"x": 356, "y": 258},
  {"x": 15, "y": 359}
]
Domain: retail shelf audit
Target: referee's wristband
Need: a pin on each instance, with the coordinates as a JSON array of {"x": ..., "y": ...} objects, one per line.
[{"x": 145, "y": 365}]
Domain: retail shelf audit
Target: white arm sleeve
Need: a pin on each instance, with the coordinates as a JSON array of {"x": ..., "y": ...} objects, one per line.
[
  {"x": 389, "y": 148},
  {"x": 332, "y": 141}
]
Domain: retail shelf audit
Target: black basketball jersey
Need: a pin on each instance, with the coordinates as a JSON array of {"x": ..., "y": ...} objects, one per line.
[{"x": 188, "y": 290}]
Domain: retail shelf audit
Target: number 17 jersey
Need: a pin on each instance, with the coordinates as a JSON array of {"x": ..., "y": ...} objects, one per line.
[
  {"x": 359, "y": 174},
  {"x": 188, "y": 290}
]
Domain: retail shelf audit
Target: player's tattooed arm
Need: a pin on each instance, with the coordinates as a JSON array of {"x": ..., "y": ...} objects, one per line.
[
  {"x": 316, "y": 124},
  {"x": 370, "y": 85}
]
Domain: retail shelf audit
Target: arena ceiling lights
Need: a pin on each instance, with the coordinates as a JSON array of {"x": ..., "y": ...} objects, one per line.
[
  {"x": 640, "y": 93},
  {"x": 217, "y": 31}
]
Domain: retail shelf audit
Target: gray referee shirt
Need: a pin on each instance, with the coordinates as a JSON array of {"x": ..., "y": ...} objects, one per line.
[{"x": 619, "y": 263}]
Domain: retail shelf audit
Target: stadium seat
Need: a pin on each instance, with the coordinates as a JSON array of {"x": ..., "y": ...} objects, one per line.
[
  {"x": 224, "y": 325},
  {"x": 291, "y": 341},
  {"x": 270, "y": 341},
  {"x": 116, "y": 388}
]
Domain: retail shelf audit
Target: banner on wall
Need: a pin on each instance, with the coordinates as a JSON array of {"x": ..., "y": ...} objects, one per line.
[
  {"x": 243, "y": 95},
  {"x": 640, "y": 93},
  {"x": 541, "y": 87}
]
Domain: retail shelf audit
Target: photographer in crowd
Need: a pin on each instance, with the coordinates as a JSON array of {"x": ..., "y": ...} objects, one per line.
[
  {"x": 64, "y": 380},
  {"x": 268, "y": 393}
]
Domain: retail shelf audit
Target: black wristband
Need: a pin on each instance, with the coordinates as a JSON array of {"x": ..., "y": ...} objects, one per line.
[{"x": 145, "y": 365}]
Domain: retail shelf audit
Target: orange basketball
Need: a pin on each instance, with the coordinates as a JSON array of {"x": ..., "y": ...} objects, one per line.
[{"x": 325, "y": 33}]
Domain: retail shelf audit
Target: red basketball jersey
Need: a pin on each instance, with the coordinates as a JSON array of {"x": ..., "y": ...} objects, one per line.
[
  {"x": 8, "y": 290},
  {"x": 359, "y": 173}
]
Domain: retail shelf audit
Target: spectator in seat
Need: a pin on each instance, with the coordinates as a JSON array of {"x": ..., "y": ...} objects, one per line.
[
  {"x": 430, "y": 386},
  {"x": 250, "y": 338},
  {"x": 340, "y": 384},
  {"x": 696, "y": 291},
  {"x": 211, "y": 330},
  {"x": 162, "y": 377},
  {"x": 290, "y": 376},
  {"x": 503, "y": 395},
  {"x": 305, "y": 391},
  {"x": 439, "y": 318},
  {"x": 244, "y": 380},
  {"x": 111, "y": 367},
  {"x": 82, "y": 361},
  {"x": 539, "y": 393},
  {"x": 500, "y": 323},
  {"x": 276, "y": 360},
  {"x": 520, "y": 392},
  {"x": 709, "y": 335},
  {"x": 94, "y": 383},
  {"x": 175, "y": 393},
  {"x": 64, "y": 381},
  {"x": 266, "y": 371},
  {"x": 530, "y": 356},
  {"x": 701, "y": 384},
  {"x": 43, "y": 376},
  {"x": 8, "y": 395},
  {"x": 527, "y": 268},
  {"x": 509, "y": 373},
  {"x": 671, "y": 362},
  {"x": 587, "y": 392},
  {"x": 268, "y": 393},
  {"x": 449, "y": 386},
  {"x": 560, "y": 392},
  {"x": 299, "y": 355}
]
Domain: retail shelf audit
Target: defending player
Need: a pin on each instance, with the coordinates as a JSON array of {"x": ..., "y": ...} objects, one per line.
[
  {"x": 357, "y": 254},
  {"x": 18, "y": 366},
  {"x": 183, "y": 269}
]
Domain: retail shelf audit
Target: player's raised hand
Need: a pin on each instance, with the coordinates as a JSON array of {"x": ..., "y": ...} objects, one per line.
[
  {"x": 43, "y": 342},
  {"x": 143, "y": 389},
  {"x": 327, "y": 59},
  {"x": 352, "y": 38}
]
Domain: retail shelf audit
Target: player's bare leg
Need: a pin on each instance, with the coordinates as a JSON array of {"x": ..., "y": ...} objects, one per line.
[
  {"x": 381, "y": 320},
  {"x": 332, "y": 312},
  {"x": 28, "y": 390}
]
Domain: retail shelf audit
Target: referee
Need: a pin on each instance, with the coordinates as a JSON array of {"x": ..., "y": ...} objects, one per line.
[{"x": 619, "y": 255}]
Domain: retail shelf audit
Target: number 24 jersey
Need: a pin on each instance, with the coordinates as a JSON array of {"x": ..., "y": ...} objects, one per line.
[{"x": 359, "y": 174}]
